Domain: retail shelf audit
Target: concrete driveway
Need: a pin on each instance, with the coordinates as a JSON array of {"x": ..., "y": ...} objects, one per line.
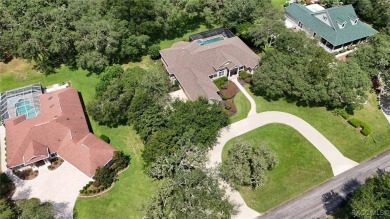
[{"x": 60, "y": 186}]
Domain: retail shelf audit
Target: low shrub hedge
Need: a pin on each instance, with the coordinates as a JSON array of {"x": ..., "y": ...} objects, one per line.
[
  {"x": 345, "y": 115},
  {"x": 354, "y": 122},
  {"x": 365, "y": 128},
  {"x": 243, "y": 74},
  {"x": 220, "y": 82}
]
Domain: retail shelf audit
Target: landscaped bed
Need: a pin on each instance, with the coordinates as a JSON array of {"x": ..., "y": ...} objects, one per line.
[
  {"x": 301, "y": 166},
  {"x": 26, "y": 174},
  {"x": 55, "y": 163}
]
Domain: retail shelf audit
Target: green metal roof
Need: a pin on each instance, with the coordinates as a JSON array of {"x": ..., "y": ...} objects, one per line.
[{"x": 332, "y": 33}]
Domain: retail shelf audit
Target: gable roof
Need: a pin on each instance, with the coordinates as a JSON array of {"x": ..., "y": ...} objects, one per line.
[
  {"x": 192, "y": 63},
  {"x": 336, "y": 15},
  {"x": 60, "y": 128}
]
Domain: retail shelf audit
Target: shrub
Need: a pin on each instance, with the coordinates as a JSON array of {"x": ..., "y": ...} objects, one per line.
[
  {"x": 81, "y": 191},
  {"x": 88, "y": 191},
  {"x": 243, "y": 74},
  {"x": 49, "y": 167},
  {"x": 354, "y": 122},
  {"x": 96, "y": 183},
  {"x": 104, "y": 175},
  {"x": 220, "y": 82},
  {"x": 228, "y": 107},
  {"x": 366, "y": 129},
  {"x": 233, "y": 108},
  {"x": 105, "y": 138},
  {"x": 154, "y": 51},
  {"x": 98, "y": 190},
  {"x": 121, "y": 160},
  {"x": 248, "y": 80},
  {"x": 345, "y": 115}
]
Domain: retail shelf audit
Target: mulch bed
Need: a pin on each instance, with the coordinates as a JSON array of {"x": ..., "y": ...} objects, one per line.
[
  {"x": 55, "y": 163},
  {"x": 28, "y": 174}
]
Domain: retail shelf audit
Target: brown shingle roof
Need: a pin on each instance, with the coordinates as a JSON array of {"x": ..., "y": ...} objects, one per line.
[
  {"x": 61, "y": 128},
  {"x": 192, "y": 63}
]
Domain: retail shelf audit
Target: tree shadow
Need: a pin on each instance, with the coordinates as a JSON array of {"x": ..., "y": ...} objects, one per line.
[
  {"x": 332, "y": 200},
  {"x": 350, "y": 186},
  {"x": 62, "y": 210}
]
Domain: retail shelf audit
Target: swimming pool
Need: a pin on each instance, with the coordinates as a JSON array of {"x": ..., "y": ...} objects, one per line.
[
  {"x": 23, "y": 107},
  {"x": 213, "y": 40}
]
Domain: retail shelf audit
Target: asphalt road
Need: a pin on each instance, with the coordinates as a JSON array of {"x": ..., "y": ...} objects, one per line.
[{"x": 325, "y": 198}]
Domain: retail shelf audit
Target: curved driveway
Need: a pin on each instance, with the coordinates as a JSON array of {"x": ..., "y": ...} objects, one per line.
[{"x": 338, "y": 162}]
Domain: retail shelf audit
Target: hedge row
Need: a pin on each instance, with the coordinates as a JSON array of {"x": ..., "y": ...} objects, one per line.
[
  {"x": 88, "y": 191},
  {"x": 345, "y": 115},
  {"x": 366, "y": 129}
]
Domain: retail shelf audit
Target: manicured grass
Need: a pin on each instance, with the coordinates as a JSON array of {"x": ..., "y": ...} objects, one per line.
[
  {"x": 133, "y": 187},
  {"x": 243, "y": 106},
  {"x": 301, "y": 166},
  {"x": 278, "y": 2},
  {"x": 167, "y": 43},
  {"x": 347, "y": 139}
]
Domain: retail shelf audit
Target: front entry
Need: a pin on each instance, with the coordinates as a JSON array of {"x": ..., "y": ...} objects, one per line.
[{"x": 233, "y": 72}]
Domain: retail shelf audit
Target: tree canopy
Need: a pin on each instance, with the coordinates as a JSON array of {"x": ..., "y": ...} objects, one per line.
[
  {"x": 194, "y": 194},
  {"x": 301, "y": 71},
  {"x": 372, "y": 200},
  {"x": 34, "y": 209},
  {"x": 246, "y": 164}
]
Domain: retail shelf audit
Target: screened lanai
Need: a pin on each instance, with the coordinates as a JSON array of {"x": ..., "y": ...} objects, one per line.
[{"x": 21, "y": 101}]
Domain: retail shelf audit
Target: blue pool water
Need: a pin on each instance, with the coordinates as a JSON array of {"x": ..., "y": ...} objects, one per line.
[
  {"x": 213, "y": 40},
  {"x": 23, "y": 107}
]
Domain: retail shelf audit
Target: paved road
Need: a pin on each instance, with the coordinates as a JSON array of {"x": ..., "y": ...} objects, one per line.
[{"x": 326, "y": 197}]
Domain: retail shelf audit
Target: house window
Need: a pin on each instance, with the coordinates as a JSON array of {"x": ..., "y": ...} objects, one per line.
[
  {"x": 221, "y": 73},
  {"x": 215, "y": 75},
  {"x": 314, "y": 34},
  {"x": 300, "y": 24},
  {"x": 325, "y": 17},
  {"x": 211, "y": 76}
]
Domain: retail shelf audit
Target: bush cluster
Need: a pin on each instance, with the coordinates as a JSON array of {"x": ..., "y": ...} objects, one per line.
[
  {"x": 105, "y": 138},
  {"x": 220, "y": 82},
  {"x": 244, "y": 74},
  {"x": 365, "y": 128},
  {"x": 345, "y": 115}
]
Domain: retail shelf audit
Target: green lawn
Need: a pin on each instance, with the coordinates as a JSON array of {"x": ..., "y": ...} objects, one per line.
[
  {"x": 347, "y": 139},
  {"x": 167, "y": 43},
  {"x": 243, "y": 106},
  {"x": 278, "y": 2},
  {"x": 133, "y": 187},
  {"x": 301, "y": 166}
]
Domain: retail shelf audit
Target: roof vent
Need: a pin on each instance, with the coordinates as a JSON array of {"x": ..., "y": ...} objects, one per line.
[{"x": 51, "y": 97}]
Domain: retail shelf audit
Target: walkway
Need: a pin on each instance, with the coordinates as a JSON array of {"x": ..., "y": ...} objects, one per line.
[
  {"x": 252, "y": 111},
  {"x": 338, "y": 162}
]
